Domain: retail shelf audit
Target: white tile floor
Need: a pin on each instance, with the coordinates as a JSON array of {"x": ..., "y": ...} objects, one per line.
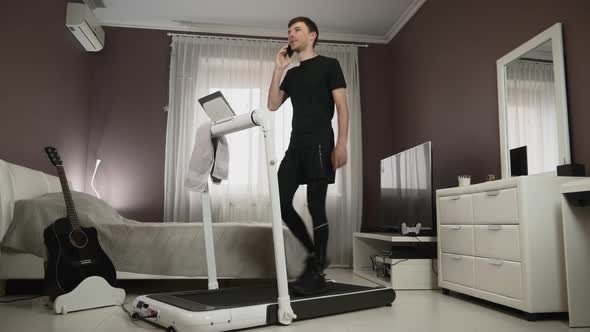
[{"x": 411, "y": 311}]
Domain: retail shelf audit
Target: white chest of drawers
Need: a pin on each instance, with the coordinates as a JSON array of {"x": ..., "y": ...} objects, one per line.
[{"x": 502, "y": 241}]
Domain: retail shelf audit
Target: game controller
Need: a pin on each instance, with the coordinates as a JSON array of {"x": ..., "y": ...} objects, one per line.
[{"x": 412, "y": 231}]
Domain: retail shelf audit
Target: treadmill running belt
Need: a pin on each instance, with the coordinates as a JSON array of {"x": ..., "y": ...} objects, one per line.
[{"x": 205, "y": 300}]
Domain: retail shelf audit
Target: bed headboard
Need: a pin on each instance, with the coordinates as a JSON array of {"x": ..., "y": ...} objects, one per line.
[{"x": 18, "y": 182}]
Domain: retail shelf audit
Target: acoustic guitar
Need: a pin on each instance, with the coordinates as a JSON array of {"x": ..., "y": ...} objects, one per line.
[{"x": 73, "y": 251}]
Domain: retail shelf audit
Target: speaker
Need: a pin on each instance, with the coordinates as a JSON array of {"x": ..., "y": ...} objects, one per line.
[
  {"x": 518, "y": 161},
  {"x": 571, "y": 170}
]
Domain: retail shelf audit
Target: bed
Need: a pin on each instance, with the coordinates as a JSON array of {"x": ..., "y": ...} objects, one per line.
[{"x": 30, "y": 200}]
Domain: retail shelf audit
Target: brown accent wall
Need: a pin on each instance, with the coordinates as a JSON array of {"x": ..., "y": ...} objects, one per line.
[
  {"x": 442, "y": 82},
  {"x": 43, "y": 88},
  {"x": 129, "y": 89},
  {"x": 377, "y": 119}
]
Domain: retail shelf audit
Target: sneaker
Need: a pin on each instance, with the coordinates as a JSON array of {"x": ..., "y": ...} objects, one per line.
[
  {"x": 312, "y": 280},
  {"x": 313, "y": 284},
  {"x": 309, "y": 267}
]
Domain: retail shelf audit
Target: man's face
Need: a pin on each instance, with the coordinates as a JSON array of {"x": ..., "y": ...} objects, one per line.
[{"x": 299, "y": 36}]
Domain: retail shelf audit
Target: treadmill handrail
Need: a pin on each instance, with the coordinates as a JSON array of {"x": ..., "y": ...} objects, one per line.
[{"x": 238, "y": 123}]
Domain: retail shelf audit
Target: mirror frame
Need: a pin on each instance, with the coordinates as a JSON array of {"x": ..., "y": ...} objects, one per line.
[{"x": 554, "y": 33}]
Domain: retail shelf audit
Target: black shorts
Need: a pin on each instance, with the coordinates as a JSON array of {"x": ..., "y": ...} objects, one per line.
[{"x": 310, "y": 163}]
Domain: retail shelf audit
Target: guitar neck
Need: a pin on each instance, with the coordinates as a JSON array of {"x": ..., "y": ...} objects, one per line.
[{"x": 70, "y": 208}]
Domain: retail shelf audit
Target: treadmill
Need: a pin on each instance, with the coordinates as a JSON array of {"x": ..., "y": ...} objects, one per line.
[{"x": 244, "y": 307}]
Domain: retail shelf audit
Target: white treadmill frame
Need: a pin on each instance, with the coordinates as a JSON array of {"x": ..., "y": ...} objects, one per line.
[
  {"x": 241, "y": 317},
  {"x": 234, "y": 318}
]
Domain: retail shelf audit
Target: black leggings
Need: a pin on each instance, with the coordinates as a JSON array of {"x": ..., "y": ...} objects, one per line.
[{"x": 316, "y": 201}]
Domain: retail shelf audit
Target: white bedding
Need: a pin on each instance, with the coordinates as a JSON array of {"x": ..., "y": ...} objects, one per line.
[
  {"x": 243, "y": 250},
  {"x": 18, "y": 182}
]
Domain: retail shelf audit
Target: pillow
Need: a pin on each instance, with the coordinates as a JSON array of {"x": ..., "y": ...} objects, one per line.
[
  {"x": 32, "y": 216},
  {"x": 19, "y": 182},
  {"x": 6, "y": 199}
]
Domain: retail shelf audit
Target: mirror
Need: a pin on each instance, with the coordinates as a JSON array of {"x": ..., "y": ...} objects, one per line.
[{"x": 534, "y": 133}]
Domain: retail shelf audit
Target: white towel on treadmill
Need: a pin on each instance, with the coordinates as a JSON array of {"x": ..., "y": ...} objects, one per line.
[{"x": 210, "y": 157}]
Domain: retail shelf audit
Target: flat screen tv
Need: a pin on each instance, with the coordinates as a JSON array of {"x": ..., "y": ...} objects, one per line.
[{"x": 406, "y": 191}]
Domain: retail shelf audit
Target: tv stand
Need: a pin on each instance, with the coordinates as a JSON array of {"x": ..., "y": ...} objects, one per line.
[{"x": 405, "y": 274}]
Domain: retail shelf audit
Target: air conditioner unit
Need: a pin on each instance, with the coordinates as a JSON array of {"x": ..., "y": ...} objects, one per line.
[{"x": 83, "y": 24}]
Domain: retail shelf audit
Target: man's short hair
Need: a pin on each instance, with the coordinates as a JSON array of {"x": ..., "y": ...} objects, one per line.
[{"x": 310, "y": 25}]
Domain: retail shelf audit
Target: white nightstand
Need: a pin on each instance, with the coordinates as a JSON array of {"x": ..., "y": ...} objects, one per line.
[{"x": 576, "y": 240}]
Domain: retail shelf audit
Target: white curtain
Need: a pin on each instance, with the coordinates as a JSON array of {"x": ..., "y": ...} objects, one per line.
[
  {"x": 411, "y": 169},
  {"x": 242, "y": 70},
  {"x": 345, "y": 198},
  {"x": 531, "y": 113}
]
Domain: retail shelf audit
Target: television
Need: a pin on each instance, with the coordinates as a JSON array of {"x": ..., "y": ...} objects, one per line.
[{"x": 406, "y": 191}]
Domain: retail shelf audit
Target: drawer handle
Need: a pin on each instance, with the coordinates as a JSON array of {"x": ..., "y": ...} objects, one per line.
[
  {"x": 496, "y": 262},
  {"x": 457, "y": 258},
  {"x": 455, "y": 227},
  {"x": 494, "y": 227},
  {"x": 455, "y": 198},
  {"x": 493, "y": 193}
]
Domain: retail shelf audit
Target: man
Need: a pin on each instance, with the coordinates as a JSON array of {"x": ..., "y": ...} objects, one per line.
[{"x": 312, "y": 158}]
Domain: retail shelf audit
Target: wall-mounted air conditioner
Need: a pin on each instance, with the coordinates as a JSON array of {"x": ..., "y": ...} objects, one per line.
[{"x": 83, "y": 24}]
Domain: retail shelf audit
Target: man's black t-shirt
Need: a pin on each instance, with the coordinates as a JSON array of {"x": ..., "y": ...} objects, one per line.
[{"x": 310, "y": 88}]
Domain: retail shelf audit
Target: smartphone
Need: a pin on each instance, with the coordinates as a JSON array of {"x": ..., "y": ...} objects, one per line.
[{"x": 290, "y": 51}]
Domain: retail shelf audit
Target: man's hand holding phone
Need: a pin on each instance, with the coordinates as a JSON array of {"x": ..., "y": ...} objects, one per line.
[
  {"x": 290, "y": 51},
  {"x": 282, "y": 61}
]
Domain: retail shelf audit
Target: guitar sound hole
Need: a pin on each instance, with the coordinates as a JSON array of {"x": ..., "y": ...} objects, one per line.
[{"x": 78, "y": 239}]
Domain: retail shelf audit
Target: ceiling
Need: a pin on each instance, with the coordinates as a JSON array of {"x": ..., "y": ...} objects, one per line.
[{"x": 369, "y": 21}]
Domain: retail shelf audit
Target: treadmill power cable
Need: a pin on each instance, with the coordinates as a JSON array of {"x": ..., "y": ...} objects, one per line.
[{"x": 2, "y": 301}]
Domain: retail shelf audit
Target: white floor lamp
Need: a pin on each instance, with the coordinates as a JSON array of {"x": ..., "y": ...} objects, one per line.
[{"x": 93, "y": 176}]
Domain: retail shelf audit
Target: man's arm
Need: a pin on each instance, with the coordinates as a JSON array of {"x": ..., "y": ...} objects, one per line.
[
  {"x": 340, "y": 154},
  {"x": 276, "y": 97}
]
